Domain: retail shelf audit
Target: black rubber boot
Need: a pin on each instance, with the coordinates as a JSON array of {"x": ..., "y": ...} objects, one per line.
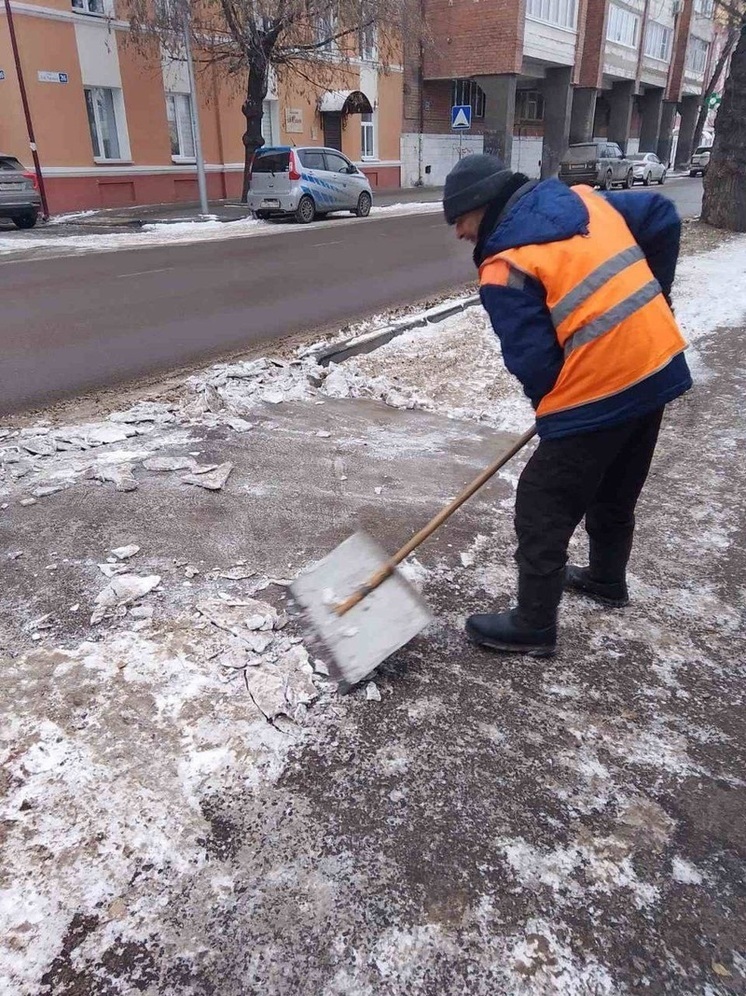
[
  {"x": 604, "y": 580},
  {"x": 531, "y": 628},
  {"x": 610, "y": 593}
]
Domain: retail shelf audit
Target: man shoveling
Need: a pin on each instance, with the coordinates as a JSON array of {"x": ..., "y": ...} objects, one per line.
[{"x": 577, "y": 286}]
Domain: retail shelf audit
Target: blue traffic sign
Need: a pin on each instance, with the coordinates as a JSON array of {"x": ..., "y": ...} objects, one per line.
[{"x": 461, "y": 117}]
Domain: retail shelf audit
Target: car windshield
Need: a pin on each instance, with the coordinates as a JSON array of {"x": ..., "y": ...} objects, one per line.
[
  {"x": 9, "y": 164},
  {"x": 703, "y": 148},
  {"x": 581, "y": 153},
  {"x": 272, "y": 161},
  {"x": 638, "y": 157}
]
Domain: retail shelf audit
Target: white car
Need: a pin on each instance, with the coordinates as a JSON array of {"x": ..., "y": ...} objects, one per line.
[
  {"x": 306, "y": 183},
  {"x": 648, "y": 167}
]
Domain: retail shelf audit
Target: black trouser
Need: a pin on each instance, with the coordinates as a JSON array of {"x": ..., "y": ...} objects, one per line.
[{"x": 597, "y": 474}]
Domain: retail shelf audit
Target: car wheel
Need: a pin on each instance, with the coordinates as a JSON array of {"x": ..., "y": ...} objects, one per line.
[
  {"x": 663, "y": 178},
  {"x": 692, "y": 172},
  {"x": 630, "y": 181},
  {"x": 306, "y": 210},
  {"x": 704, "y": 172},
  {"x": 364, "y": 203},
  {"x": 606, "y": 184},
  {"x": 646, "y": 179},
  {"x": 26, "y": 220}
]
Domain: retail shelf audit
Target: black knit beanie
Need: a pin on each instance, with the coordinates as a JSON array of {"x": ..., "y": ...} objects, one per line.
[{"x": 473, "y": 182}]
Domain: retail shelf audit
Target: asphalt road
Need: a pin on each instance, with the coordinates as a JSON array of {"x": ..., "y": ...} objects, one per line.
[{"x": 78, "y": 322}]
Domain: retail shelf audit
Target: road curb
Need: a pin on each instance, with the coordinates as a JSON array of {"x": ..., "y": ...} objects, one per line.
[{"x": 369, "y": 341}]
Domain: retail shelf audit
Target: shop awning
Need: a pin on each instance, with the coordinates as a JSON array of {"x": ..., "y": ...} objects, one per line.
[{"x": 346, "y": 102}]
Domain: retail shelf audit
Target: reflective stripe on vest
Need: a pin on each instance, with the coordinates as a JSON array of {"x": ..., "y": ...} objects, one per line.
[
  {"x": 609, "y": 314},
  {"x": 606, "y": 322}
]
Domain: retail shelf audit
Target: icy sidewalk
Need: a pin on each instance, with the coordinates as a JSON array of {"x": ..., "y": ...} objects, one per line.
[{"x": 188, "y": 806}]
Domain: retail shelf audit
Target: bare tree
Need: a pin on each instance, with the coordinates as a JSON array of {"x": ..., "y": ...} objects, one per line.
[
  {"x": 306, "y": 40},
  {"x": 704, "y": 108},
  {"x": 724, "y": 202}
]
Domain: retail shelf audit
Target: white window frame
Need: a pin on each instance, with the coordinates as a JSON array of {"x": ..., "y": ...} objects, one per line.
[
  {"x": 369, "y": 43},
  {"x": 658, "y": 41},
  {"x": 705, "y": 8},
  {"x": 623, "y": 27},
  {"x": 559, "y": 13},
  {"x": 697, "y": 52},
  {"x": 327, "y": 23},
  {"x": 368, "y": 137},
  {"x": 119, "y": 126},
  {"x": 181, "y": 156},
  {"x": 98, "y": 8}
]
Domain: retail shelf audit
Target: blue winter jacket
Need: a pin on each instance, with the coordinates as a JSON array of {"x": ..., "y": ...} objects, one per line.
[{"x": 549, "y": 212}]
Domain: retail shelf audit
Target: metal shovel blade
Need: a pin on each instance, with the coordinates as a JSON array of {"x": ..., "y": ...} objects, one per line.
[{"x": 374, "y": 629}]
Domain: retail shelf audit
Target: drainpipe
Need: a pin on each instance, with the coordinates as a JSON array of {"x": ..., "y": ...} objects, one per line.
[{"x": 27, "y": 112}]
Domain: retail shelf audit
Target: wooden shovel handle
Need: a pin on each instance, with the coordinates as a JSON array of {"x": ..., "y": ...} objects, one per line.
[{"x": 390, "y": 566}]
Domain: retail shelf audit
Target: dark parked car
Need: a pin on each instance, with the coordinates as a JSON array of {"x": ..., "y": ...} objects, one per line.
[
  {"x": 19, "y": 198},
  {"x": 600, "y": 164}
]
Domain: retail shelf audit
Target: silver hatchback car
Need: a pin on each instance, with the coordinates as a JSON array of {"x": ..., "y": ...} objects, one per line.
[
  {"x": 306, "y": 183},
  {"x": 19, "y": 198}
]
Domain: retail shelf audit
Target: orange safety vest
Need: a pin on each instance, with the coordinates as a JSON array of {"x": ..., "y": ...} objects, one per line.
[{"x": 611, "y": 318}]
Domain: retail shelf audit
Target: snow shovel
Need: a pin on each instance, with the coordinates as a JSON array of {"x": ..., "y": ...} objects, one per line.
[{"x": 358, "y": 603}]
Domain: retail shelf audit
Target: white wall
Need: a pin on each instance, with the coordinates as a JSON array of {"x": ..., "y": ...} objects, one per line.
[
  {"x": 527, "y": 156},
  {"x": 440, "y": 152},
  {"x": 98, "y": 54},
  {"x": 549, "y": 43}
]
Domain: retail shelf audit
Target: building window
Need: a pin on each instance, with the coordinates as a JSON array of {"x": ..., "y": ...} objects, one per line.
[
  {"x": 697, "y": 54},
  {"x": 658, "y": 40},
  {"x": 560, "y": 12},
  {"x": 89, "y": 6},
  {"x": 705, "y": 8},
  {"x": 623, "y": 26},
  {"x": 368, "y": 43},
  {"x": 326, "y": 28},
  {"x": 529, "y": 106},
  {"x": 179, "y": 113},
  {"x": 468, "y": 92},
  {"x": 367, "y": 137},
  {"x": 102, "y": 120}
]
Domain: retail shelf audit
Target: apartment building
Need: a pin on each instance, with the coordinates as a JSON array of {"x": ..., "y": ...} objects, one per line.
[
  {"x": 540, "y": 74},
  {"x": 113, "y": 125}
]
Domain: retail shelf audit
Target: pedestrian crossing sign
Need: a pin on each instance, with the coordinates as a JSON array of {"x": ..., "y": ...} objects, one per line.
[{"x": 461, "y": 117}]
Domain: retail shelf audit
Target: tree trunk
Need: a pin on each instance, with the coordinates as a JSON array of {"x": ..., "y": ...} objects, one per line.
[
  {"x": 712, "y": 85},
  {"x": 252, "y": 109},
  {"x": 724, "y": 203}
]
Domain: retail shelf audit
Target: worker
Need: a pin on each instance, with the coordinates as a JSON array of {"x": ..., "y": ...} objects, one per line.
[{"x": 577, "y": 286}]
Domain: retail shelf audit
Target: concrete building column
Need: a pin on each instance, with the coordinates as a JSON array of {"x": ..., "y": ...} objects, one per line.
[
  {"x": 557, "y": 113},
  {"x": 665, "y": 138},
  {"x": 583, "y": 114},
  {"x": 651, "y": 108},
  {"x": 499, "y": 114},
  {"x": 689, "y": 110},
  {"x": 621, "y": 98}
]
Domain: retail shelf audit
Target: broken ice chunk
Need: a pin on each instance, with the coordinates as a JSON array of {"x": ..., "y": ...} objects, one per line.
[
  {"x": 122, "y": 591},
  {"x": 468, "y": 558},
  {"x": 103, "y": 434},
  {"x": 51, "y": 489},
  {"x": 212, "y": 480},
  {"x": 240, "y": 424},
  {"x": 120, "y": 476},
  {"x": 125, "y": 552},
  {"x": 323, "y": 434},
  {"x": 166, "y": 463},
  {"x": 372, "y": 692}
]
